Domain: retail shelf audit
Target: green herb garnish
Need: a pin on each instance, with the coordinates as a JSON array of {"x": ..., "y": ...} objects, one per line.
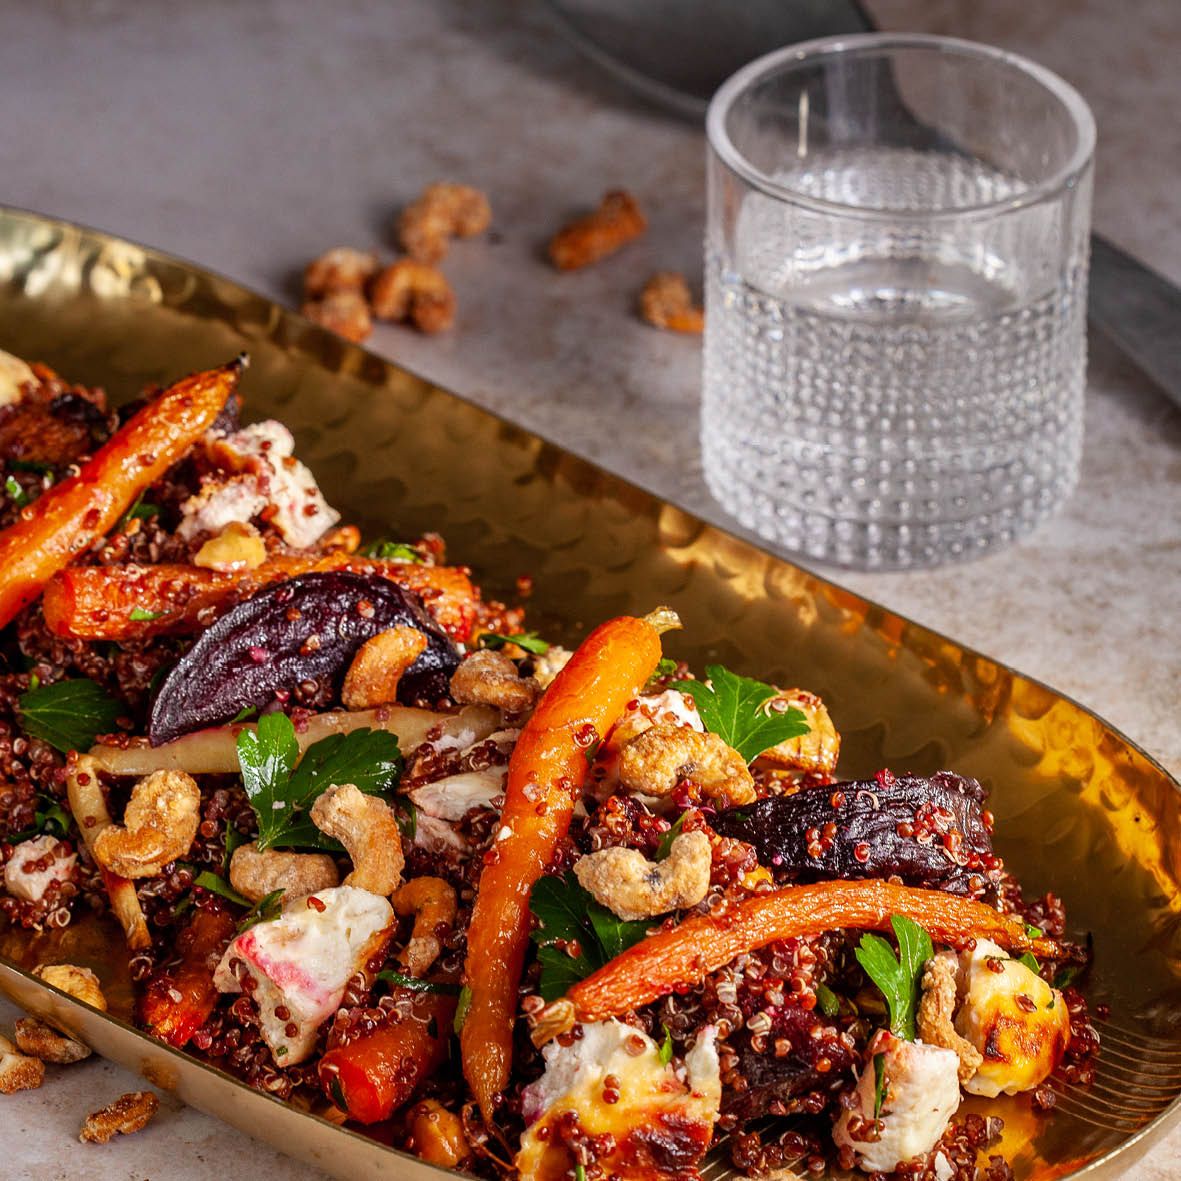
[
  {"x": 139, "y": 511},
  {"x": 16, "y": 493},
  {"x": 827, "y": 1001},
  {"x": 69, "y": 715},
  {"x": 568, "y": 913},
  {"x": 461, "y": 1009},
  {"x": 739, "y": 711},
  {"x": 52, "y": 820},
  {"x": 666, "y": 841},
  {"x": 139, "y": 615},
  {"x": 244, "y": 714},
  {"x": 265, "y": 910},
  {"x": 391, "y": 551},
  {"x": 415, "y": 984},
  {"x": 579, "y": 1173},
  {"x": 666, "y": 1047},
  {"x": 1029, "y": 961},
  {"x": 1067, "y": 976},
  {"x": 210, "y": 881},
  {"x": 281, "y": 793},
  {"x": 529, "y": 641},
  {"x": 38, "y": 466},
  {"x": 407, "y": 815},
  {"x": 899, "y": 976},
  {"x": 879, "y": 1084}
]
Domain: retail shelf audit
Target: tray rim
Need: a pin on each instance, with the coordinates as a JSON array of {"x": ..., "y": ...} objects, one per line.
[{"x": 1136, "y": 1144}]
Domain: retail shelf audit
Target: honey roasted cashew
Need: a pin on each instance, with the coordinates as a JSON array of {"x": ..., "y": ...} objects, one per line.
[
  {"x": 39, "y": 1040},
  {"x": 656, "y": 760},
  {"x": 634, "y": 888},
  {"x": 159, "y": 825},
  {"x": 487, "y": 677},
  {"x": 415, "y": 292},
  {"x": 442, "y": 211},
  {"x": 377, "y": 668},
  {"x": 432, "y": 903},
  {"x": 256, "y": 872},
  {"x": 18, "y": 1072},
  {"x": 368, "y": 829}
]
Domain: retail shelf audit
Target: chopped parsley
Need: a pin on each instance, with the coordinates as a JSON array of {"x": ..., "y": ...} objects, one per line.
[
  {"x": 15, "y": 492},
  {"x": 265, "y": 910},
  {"x": 666, "y": 1047},
  {"x": 827, "y": 1001},
  {"x": 282, "y": 792},
  {"x": 879, "y": 1084},
  {"x": 666, "y": 842},
  {"x": 69, "y": 715},
  {"x": 741, "y": 711},
  {"x": 139, "y": 615},
  {"x": 899, "y": 976},
  {"x": 461, "y": 1010},
  {"x": 216, "y": 884},
  {"x": 391, "y": 551},
  {"x": 415, "y": 984},
  {"x": 528, "y": 641}
]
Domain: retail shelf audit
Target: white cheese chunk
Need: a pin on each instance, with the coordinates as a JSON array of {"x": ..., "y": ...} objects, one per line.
[
  {"x": 303, "y": 960},
  {"x": 22, "y": 881}
]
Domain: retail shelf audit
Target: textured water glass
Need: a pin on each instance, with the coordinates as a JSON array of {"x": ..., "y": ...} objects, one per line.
[{"x": 896, "y": 270}]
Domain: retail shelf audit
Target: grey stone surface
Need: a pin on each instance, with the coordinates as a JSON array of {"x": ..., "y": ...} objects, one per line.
[{"x": 249, "y": 137}]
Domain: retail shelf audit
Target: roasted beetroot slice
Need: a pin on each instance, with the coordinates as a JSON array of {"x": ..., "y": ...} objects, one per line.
[
  {"x": 308, "y": 628},
  {"x": 925, "y": 832}
]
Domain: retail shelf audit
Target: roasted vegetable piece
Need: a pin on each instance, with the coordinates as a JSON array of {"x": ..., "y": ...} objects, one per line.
[
  {"x": 928, "y": 832},
  {"x": 177, "y": 1001},
  {"x": 685, "y": 955},
  {"x": 71, "y": 516},
  {"x": 96, "y": 602},
  {"x": 375, "y": 1073},
  {"x": 306, "y": 629},
  {"x": 545, "y": 776}
]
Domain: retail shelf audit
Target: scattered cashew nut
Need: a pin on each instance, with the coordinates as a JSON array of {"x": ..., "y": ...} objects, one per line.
[
  {"x": 665, "y": 302},
  {"x": 634, "y": 888},
  {"x": 84, "y": 794},
  {"x": 39, "y": 1040},
  {"x": 936, "y": 1011},
  {"x": 654, "y": 762},
  {"x": 344, "y": 312},
  {"x": 432, "y": 903},
  {"x": 339, "y": 269},
  {"x": 159, "y": 825},
  {"x": 255, "y": 872},
  {"x": 415, "y": 292},
  {"x": 80, "y": 983},
  {"x": 18, "y": 1072},
  {"x": 487, "y": 677},
  {"x": 587, "y": 239},
  {"x": 372, "y": 678},
  {"x": 368, "y": 829},
  {"x": 442, "y": 211},
  {"x": 129, "y": 1113}
]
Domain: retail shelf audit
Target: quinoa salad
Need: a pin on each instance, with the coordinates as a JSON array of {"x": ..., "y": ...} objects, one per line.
[{"x": 366, "y": 840}]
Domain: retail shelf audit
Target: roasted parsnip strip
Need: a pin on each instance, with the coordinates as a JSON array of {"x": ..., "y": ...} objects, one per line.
[
  {"x": 215, "y": 751},
  {"x": 683, "y": 956},
  {"x": 545, "y": 776},
  {"x": 71, "y": 516},
  {"x": 85, "y": 796},
  {"x": 96, "y": 602}
]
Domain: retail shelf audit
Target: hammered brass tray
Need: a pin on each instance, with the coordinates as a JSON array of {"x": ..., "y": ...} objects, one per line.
[{"x": 1079, "y": 808}]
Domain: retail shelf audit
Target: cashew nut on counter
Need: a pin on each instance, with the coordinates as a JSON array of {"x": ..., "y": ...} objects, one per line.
[
  {"x": 487, "y": 677},
  {"x": 634, "y": 888},
  {"x": 39, "y": 1040},
  {"x": 256, "y": 872},
  {"x": 159, "y": 825},
  {"x": 432, "y": 903},
  {"x": 368, "y": 829},
  {"x": 18, "y": 1072},
  {"x": 655, "y": 761}
]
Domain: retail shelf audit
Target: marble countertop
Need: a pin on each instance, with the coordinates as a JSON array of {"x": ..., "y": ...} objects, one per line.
[{"x": 250, "y": 137}]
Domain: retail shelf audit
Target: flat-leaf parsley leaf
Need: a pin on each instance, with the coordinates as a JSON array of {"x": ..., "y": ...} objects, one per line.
[
  {"x": 899, "y": 976},
  {"x": 529, "y": 641},
  {"x": 739, "y": 710},
  {"x": 69, "y": 715}
]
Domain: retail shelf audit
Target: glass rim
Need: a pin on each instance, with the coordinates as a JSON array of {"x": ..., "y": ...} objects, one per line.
[{"x": 1063, "y": 178}]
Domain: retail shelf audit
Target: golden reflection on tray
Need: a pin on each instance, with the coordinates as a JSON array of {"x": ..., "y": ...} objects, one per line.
[{"x": 1079, "y": 809}]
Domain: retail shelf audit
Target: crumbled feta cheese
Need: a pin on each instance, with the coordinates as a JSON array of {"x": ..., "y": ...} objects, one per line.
[
  {"x": 922, "y": 1094},
  {"x": 21, "y": 881},
  {"x": 302, "y": 962},
  {"x": 457, "y": 795},
  {"x": 217, "y": 505}
]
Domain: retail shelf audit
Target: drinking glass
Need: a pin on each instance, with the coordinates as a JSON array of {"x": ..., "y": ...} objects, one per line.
[{"x": 896, "y": 271}]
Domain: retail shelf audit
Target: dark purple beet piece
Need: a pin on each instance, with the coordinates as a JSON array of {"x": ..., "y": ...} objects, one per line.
[
  {"x": 928, "y": 832},
  {"x": 308, "y": 628}
]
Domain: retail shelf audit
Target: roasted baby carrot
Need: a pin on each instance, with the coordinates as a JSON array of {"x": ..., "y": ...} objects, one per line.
[
  {"x": 372, "y": 1075},
  {"x": 545, "y": 777},
  {"x": 71, "y": 516},
  {"x": 178, "y": 1000},
  {"x": 686, "y": 954},
  {"x": 96, "y": 602}
]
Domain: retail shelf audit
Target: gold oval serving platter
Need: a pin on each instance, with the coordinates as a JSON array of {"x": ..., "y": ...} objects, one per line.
[{"x": 1079, "y": 809}]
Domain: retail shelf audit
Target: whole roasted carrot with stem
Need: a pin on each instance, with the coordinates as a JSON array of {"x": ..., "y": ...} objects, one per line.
[
  {"x": 71, "y": 516},
  {"x": 374, "y": 1074},
  {"x": 178, "y": 1000},
  {"x": 96, "y": 602},
  {"x": 684, "y": 955},
  {"x": 546, "y": 774}
]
